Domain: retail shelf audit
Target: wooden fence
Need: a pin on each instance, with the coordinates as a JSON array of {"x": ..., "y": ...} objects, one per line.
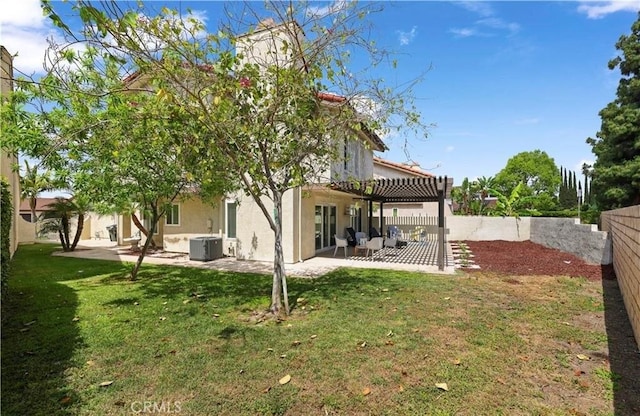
[{"x": 415, "y": 228}]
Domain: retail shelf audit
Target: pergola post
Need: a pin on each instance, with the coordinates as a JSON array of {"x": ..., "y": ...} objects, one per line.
[
  {"x": 370, "y": 216},
  {"x": 381, "y": 222},
  {"x": 441, "y": 186}
]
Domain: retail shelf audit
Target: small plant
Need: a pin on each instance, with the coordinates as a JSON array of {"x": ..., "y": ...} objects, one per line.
[{"x": 464, "y": 255}]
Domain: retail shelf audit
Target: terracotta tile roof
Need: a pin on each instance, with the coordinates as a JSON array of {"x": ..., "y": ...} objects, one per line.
[
  {"x": 412, "y": 170},
  {"x": 41, "y": 204}
]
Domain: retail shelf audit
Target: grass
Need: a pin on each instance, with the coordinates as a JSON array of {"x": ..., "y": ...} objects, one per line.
[{"x": 192, "y": 341}]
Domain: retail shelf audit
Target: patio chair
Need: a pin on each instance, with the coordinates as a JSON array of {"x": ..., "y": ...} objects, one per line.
[
  {"x": 390, "y": 243},
  {"x": 360, "y": 236},
  {"x": 374, "y": 245},
  {"x": 341, "y": 242},
  {"x": 351, "y": 237},
  {"x": 395, "y": 233}
]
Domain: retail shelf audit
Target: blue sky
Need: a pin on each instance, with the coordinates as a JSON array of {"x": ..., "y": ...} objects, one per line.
[{"x": 505, "y": 77}]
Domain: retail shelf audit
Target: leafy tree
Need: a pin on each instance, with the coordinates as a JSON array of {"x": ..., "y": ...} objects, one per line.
[
  {"x": 117, "y": 144},
  {"x": 616, "y": 171},
  {"x": 535, "y": 169},
  {"x": 506, "y": 205},
  {"x": 264, "y": 116},
  {"x": 32, "y": 183},
  {"x": 463, "y": 195}
]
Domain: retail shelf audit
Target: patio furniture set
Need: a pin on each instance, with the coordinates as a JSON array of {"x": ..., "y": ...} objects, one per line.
[{"x": 376, "y": 243}]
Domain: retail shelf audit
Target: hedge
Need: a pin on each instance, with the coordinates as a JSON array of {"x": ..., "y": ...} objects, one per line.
[{"x": 6, "y": 214}]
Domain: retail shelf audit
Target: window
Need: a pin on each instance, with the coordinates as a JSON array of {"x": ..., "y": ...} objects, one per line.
[
  {"x": 172, "y": 216},
  {"x": 231, "y": 219},
  {"x": 395, "y": 212},
  {"x": 146, "y": 222}
]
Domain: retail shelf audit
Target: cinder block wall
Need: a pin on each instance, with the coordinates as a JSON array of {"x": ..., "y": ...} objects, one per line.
[
  {"x": 568, "y": 235},
  {"x": 481, "y": 228},
  {"x": 624, "y": 228}
]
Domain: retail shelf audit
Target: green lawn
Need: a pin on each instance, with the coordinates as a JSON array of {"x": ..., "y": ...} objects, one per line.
[{"x": 358, "y": 342}]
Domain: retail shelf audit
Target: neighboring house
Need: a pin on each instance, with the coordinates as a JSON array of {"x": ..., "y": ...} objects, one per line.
[
  {"x": 8, "y": 161},
  {"x": 387, "y": 169},
  {"x": 42, "y": 206}
]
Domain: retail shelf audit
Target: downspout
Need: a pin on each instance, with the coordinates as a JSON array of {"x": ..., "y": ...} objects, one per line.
[{"x": 299, "y": 223}]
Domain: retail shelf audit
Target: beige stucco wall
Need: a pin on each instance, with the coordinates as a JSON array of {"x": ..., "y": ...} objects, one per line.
[
  {"x": 359, "y": 163},
  {"x": 8, "y": 161},
  {"x": 323, "y": 197},
  {"x": 195, "y": 216},
  {"x": 265, "y": 46},
  {"x": 26, "y": 231},
  {"x": 95, "y": 226},
  {"x": 255, "y": 239},
  {"x": 197, "y": 219}
]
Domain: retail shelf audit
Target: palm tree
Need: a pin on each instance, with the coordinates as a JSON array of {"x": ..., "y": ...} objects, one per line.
[
  {"x": 485, "y": 185},
  {"x": 31, "y": 185},
  {"x": 58, "y": 219}
]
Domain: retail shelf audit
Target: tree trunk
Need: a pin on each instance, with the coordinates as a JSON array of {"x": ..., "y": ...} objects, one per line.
[
  {"x": 140, "y": 227},
  {"x": 78, "y": 232},
  {"x": 65, "y": 233},
  {"x": 145, "y": 247},
  {"x": 32, "y": 205},
  {"x": 279, "y": 277}
]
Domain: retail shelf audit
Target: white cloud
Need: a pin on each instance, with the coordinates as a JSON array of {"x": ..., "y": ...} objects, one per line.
[
  {"x": 320, "y": 12},
  {"x": 578, "y": 166},
  {"x": 406, "y": 37},
  {"x": 488, "y": 20},
  {"x": 478, "y": 7},
  {"x": 449, "y": 149},
  {"x": 464, "y": 32},
  {"x": 24, "y": 32},
  {"x": 497, "y": 23},
  {"x": 600, "y": 9}
]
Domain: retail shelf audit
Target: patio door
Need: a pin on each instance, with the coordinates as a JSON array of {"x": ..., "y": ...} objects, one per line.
[{"x": 325, "y": 226}]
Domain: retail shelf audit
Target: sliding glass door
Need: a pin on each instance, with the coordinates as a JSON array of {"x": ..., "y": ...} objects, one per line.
[{"x": 325, "y": 226}]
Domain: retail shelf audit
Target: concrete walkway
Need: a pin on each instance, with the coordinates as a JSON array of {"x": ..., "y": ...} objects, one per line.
[{"x": 316, "y": 266}]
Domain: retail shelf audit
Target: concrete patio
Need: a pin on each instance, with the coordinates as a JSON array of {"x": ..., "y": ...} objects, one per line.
[{"x": 416, "y": 256}]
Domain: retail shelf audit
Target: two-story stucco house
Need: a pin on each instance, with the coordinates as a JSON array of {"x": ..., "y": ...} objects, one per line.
[{"x": 312, "y": 214}]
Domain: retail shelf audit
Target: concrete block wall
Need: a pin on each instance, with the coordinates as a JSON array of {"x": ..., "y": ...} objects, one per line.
[
  {"x": 623, "y": 226},
  {"x": 481, "y": 228},
  {"x": 568, "y": 235}
]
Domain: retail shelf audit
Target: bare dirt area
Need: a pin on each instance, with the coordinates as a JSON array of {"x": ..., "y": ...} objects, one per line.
[
  {"x": 531, "y": 268},
  {"x": 522, "y": 258}
]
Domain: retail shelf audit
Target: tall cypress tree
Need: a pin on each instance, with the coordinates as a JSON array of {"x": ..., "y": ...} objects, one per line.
[{"x": 574, "y": 191}]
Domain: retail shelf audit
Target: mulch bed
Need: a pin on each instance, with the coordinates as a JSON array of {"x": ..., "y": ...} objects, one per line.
[{"x": 527, "y": 258}]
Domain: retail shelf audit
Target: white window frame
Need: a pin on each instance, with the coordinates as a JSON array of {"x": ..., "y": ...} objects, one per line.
[{"x": 170, "y": 209}]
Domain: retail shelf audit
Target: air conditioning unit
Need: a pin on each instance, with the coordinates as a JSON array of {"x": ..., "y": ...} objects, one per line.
[{"x": 205, "y": 248}]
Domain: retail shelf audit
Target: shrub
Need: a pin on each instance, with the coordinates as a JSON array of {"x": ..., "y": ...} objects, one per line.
[{"x": 6, "y": 214}]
